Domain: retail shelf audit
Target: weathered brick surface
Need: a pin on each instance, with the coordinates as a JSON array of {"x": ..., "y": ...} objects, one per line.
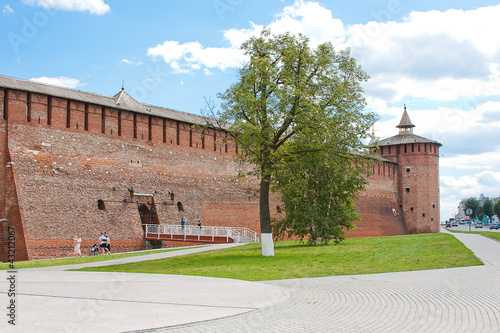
[
  {"x": 66, "y": 156},
  {"x": 9, "y": 205},
  {"x": 378, "y": 207}
]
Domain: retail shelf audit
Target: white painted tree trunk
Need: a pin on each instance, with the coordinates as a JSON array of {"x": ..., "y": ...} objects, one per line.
[{"x": 267, "y": 245}]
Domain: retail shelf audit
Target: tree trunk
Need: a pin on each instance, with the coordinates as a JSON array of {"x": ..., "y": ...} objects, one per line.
[{"x": 265, "y": 218}]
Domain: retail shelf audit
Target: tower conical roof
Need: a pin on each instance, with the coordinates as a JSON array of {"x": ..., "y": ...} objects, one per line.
[
  {"x": 405, "y": 135},
  {"x": 405, "y": 125},
  {"x": 405, "y": 121}
]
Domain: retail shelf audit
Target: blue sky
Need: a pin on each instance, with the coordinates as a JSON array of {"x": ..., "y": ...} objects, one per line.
[{"x": 440, "y": 58}]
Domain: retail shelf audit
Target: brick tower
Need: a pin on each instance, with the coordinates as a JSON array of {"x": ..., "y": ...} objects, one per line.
[{"x": 417, "y": 160}]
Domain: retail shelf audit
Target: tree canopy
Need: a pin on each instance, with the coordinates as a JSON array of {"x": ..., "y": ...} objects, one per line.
[
  {"x": 292, "y": 102},
  {"x": 487, "y": 208},
  {"x": 475, "y": 205},
  {"x": 318, "y": 196},
  {"x": 496, "y": 208}
]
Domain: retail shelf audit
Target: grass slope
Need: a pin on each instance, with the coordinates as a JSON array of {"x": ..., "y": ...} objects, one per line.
[
  {"x": 294, "y": 260},
  {"x": 78, "y": 260}
]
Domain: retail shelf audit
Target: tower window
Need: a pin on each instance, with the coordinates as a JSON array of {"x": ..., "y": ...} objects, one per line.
[
  {"x": 407, "y": 190},
  {"x": 180, "y": 207},
  {"x": 411, "y": 209},
  {"x": 433, "y": 205},
  {"x": 408, "y": 170}
]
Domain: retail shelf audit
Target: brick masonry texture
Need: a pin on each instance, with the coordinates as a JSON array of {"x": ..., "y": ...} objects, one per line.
[{"x": 66, "y": 167}]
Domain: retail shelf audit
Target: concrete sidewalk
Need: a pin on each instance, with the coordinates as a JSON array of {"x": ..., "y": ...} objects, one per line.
[
  {"x": 51, "y": 300},
  {"x": 486, "y": 249}
]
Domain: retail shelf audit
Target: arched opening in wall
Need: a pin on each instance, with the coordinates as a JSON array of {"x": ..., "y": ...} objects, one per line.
[
  {"x": 145, "y": 214},
  {"x": 180, "y": 207},
  {"x": 101, "y": 205}
]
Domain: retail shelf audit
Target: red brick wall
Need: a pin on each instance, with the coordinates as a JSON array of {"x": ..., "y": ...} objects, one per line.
[
  {"x": 9, "y": 204},
  {"x": 3, "y": 185},
  {"x": 378, "y": 206},
  {"x": 62, "y": 174}
]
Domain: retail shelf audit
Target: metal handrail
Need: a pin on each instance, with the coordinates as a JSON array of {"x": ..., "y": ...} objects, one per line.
[{"x": 235, "y": 233}]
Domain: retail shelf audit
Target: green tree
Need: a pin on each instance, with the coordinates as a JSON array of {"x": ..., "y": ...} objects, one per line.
[
  {"x": 475, "y": 205},
  {"x": 496, "y": 208},
  {"x": 487, "y": 208},
  {"x": 318, "y": 196},
  {"x": 289, "y": 92}
]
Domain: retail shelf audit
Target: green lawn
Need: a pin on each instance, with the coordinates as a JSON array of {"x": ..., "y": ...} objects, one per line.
[
  {"x": 294, "y": 260},
  {"x": 77, "y": 260},
  {"x": 490, "y": 234}
]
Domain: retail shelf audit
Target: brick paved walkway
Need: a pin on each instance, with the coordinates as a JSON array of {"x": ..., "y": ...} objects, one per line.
[{"x": 447, "y": 300}]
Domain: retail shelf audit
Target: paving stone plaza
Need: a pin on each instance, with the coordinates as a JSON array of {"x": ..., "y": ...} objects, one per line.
[{"x": 446, "y": 300}]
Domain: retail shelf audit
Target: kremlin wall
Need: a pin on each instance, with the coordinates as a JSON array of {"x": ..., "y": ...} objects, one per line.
[{"x": 69, "y": 159}]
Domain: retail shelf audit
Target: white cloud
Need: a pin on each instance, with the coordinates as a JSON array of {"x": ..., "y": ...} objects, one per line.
[
  {"x": 184, "y": 58},
  {"x": 434, "y": 55},
  {"x": 483, "y": 161},
  {"x": 97, "y": 7},
  {"x": 308, "y": 18},
  {"x": 7, "y": 10},
  {"x": 59, "y": 81},
  {"x": 130, "y": 62}
]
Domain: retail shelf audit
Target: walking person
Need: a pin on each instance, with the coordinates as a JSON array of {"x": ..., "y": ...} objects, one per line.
[
  {"x": 103, "y": 243},
  {"x": 108, "y": 243},
  {"x": 77, "y": 251},
  {"x": 182, "y": 223}
]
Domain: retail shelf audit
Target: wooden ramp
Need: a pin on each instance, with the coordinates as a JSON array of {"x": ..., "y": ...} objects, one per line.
[{"x": 203, "y": 234}]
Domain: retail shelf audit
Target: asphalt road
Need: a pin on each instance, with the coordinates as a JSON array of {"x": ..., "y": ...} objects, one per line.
[{"x": 465, "y": 227}]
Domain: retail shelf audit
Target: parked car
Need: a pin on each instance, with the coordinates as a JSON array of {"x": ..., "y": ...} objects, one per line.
[
  {"x": 495, "y": 226},
  {"x": 478, "y": 225}
]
